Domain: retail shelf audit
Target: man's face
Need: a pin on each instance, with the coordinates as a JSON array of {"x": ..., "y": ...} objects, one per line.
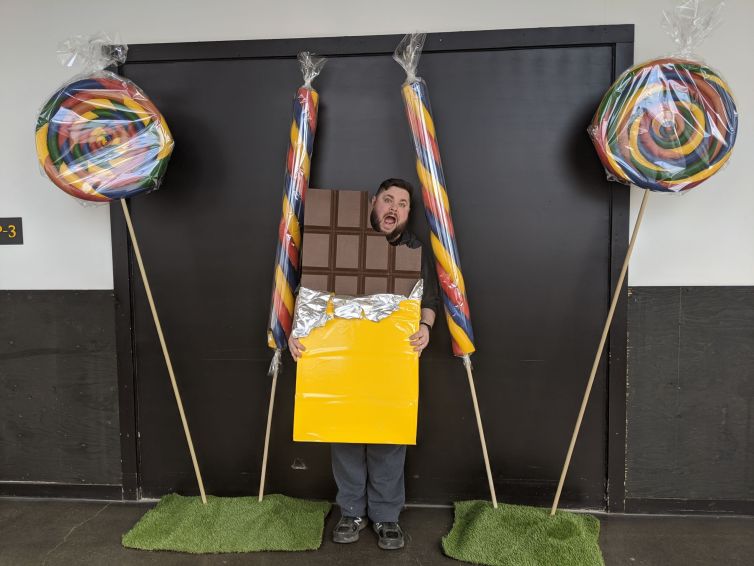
[{"x": 390, "y": 211}]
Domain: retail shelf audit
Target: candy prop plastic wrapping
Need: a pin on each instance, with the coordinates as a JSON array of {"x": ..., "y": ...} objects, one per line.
[
  {"x": 666, "y": 125},
  {"x": 288, "y": 250},
  {"x": 669, "y": 124},
  {"x": 358, "y": 379},
  {"x": 436, "y": 204},
  {"x": 99, "y": 137}
]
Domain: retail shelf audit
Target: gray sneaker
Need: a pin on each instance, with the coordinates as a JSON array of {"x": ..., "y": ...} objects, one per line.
[
  {"x": 348, "y": 529},
  {"x": 389, "y": 535}
]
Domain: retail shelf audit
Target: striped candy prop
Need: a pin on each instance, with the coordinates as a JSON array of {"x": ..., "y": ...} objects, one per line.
[
  {"x": 290, "y": 231},
  {"x": 100, "y": 138},
  {"x": 666, "y": 125},
  {"x": 288, "y": 250},
  {"x": 437, "y": 208}
]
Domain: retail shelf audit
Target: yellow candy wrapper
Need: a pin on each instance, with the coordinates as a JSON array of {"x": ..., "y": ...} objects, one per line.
[{"x": 358, "y": 380}]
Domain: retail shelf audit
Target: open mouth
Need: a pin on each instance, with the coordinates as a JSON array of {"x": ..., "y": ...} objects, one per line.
[{"x": 389, "y": 220}]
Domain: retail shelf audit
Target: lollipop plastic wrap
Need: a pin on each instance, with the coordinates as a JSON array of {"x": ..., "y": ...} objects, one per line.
[
  {"x": 436, "y": 203},
  {"x": 298, "y": 163},
  {"x": 668, "y": 124},
  {"x": 99, "y": 137}
]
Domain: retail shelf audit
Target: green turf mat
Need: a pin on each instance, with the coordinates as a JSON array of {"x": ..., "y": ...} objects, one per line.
[
  {"x": 230, "y": 524},
  {"x": 516, "y": 535}
]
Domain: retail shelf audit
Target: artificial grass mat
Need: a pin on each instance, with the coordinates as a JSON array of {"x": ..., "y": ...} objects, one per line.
[
  {"x": 517, "y": 535},
  {"x": 230, "y": 524}
]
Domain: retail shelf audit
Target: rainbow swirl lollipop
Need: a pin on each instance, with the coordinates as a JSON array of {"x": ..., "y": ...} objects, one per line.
[
  {"x": 665, "y": 125},
  {"x": 100, "y": 138}
]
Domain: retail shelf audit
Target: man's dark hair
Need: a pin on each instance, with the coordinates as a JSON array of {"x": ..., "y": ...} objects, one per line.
[{"x": 400, "y": 183}]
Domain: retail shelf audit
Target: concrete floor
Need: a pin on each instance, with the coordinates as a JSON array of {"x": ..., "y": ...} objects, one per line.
[{"x": 72, "y": 532}]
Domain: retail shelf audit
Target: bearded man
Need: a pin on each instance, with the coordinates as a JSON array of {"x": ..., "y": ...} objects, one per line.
[{"x": 370, "y": 477}]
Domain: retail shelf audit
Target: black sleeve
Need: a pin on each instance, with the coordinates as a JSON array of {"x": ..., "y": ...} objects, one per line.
[{"x": 431, "y": 297}]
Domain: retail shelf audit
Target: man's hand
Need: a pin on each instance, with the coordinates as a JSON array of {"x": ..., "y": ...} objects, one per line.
[
  {"x": 420, "y": 340},
  {"x": 296, "y": 348}
]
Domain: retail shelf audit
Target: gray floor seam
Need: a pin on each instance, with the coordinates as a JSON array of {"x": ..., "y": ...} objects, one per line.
[{"x": 70, "y": 532}]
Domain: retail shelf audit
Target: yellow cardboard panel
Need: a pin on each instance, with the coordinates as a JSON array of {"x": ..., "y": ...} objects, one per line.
[{"x": 358, "y": 381}]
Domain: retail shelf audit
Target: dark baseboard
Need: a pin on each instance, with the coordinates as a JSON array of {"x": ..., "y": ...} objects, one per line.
[
  {"x": 690, "y": 506},
  {"x": 633, "y": 505},
  {"x": 62, "y": 490}
]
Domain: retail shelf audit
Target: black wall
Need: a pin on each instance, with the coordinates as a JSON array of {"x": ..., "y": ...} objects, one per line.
[
  {"x": 691, "y": 399},
  {"x": 690, "y": 394},
  {"x": 58, "y": 393}
]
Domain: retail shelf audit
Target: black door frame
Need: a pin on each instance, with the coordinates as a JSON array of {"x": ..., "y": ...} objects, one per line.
[{"x": 620, "y": 38}]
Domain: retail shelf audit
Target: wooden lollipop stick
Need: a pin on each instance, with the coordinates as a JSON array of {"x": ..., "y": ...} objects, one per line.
[
  {"x": 603, "y": 339},
  {"x": 164, "y": 349},
  {"x": 276, "y": 367},
  {"x": 467, "y": 365}
]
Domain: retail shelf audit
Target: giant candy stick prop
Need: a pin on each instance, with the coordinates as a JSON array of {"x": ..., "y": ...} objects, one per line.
[
  {"x": 99, "y": 138},
  {"x": 287, "y": 271},
  {"x": 666, "y": 126},
  {"x": 288, "y": 250},
  {"x": 435, "y": 197},
  {"x": 437, "y": 208}
]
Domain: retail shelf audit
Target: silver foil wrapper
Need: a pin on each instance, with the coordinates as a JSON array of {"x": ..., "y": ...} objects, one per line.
[{"x": 311, "y": 307}]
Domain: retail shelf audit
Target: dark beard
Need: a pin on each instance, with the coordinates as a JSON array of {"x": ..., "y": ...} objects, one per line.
[{"x": 391, "y": 236}]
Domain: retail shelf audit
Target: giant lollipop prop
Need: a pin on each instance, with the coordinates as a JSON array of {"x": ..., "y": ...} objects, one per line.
[
  {"x": 288, "y": 249},
  {"x": 665, "y": 126},
  {"x": 99, "y": 138},
  {"x": 437, "y": 208}
]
